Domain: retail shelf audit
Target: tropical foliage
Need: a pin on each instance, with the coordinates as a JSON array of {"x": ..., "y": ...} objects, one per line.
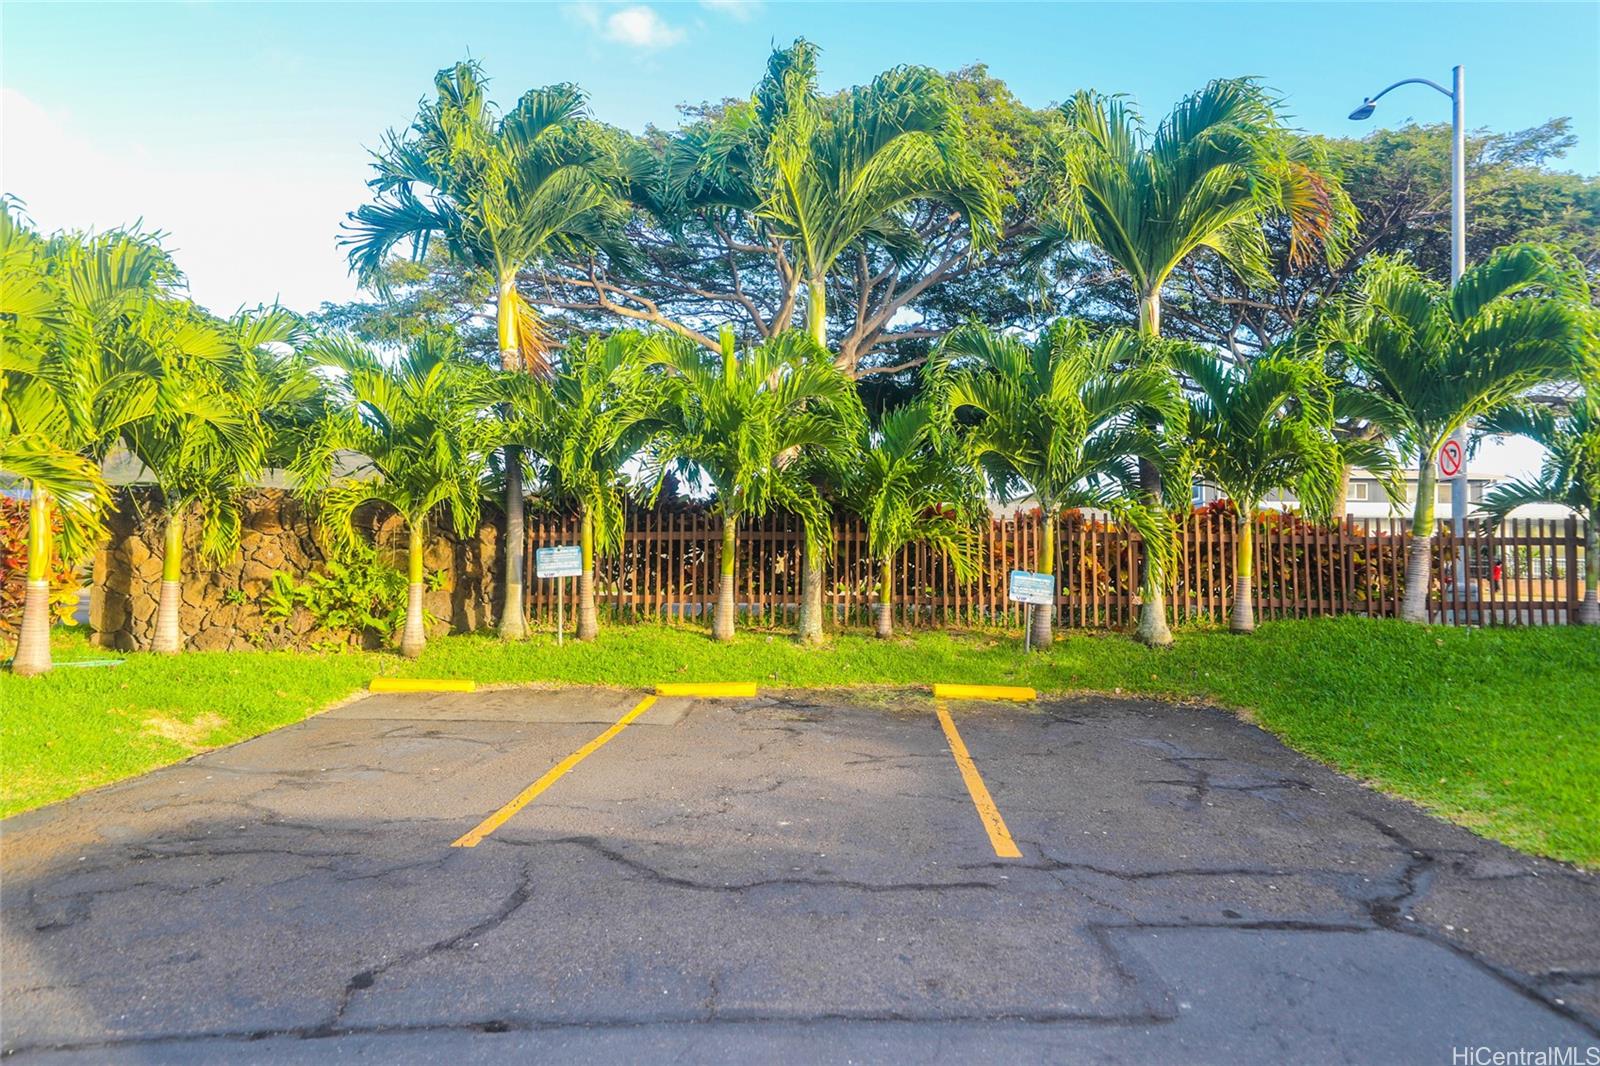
[
  {"x": 1209, "y": 179},
  {"x": 1065, "y": 420},
  {"x": 1432, "y": 357},
  {"x": 228, "y": 404},
  {"x": 1570, "y": 476},
  {"x": 502, "y": 193},
  {"x": 739, "y": 423},
  {"x": 582, "y": 424},
  {"x": 911, "y": 484},
  {"x": 75, "y": 370},
  {"x": 1253, "y": 430},
  {"x": 420, "y": 423},
  {"x": 907, "y": 246}
]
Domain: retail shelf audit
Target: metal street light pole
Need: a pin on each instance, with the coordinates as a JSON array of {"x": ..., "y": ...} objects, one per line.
[
  {"x": 1458, "y": 245},
  {"x": 1458, "y": 265}
]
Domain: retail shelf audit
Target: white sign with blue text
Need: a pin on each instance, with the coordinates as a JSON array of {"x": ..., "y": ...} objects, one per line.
[
  {"x": 1029, "y": 587},
  {"x": 564, "y": 561}
]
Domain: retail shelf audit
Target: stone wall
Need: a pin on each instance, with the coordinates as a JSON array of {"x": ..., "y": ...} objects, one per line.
[{"x": 221, "y": 604}]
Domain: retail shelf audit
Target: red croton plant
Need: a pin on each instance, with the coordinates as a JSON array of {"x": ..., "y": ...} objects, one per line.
[{"x": 14, "y": 570}]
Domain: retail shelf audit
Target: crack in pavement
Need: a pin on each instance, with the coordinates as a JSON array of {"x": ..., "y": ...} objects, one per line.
[{"x": 364, "y": 979}]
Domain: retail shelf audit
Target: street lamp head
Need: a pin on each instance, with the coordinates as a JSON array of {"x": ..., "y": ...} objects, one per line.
[{"x": 1364, "y": 111}]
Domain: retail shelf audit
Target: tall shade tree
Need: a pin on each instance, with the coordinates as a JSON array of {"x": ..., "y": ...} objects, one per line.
[
  {"x": 72, "y": 376},
  {"x": 743, "y": 422},
  {"x": 822, "y": 176},
  {"x": 582, "y": 424},
  {"x": 208, "y": 436},
  {"x": 1253, "y": 429},
  {"x": 1569, "y": 475},
  {"x": 1064, "y": 419},
  {"x": 1212, "y": 175},
  {"x": 1437, "y": 357},
  {"x": 911, "y": 485},
  {"x": 503, "y": 192},
  {"x": 422, "y": 422}
]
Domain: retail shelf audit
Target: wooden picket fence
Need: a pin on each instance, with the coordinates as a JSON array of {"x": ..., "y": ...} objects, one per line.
[{"x": 667, "y": 570}]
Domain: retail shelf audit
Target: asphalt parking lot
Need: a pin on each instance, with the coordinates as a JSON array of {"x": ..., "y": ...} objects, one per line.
[{"x": 797, "y": 876}]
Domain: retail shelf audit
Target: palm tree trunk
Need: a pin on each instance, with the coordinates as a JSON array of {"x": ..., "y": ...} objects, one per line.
[
  {"x": 513, "y": 615},
  {"x": 1152, "y": 628},
  {"x": 414, "y": 637},
  {"x": 1243, "y": 619},
  {"x": 1419, "y": 560},
  {"x": 588, "y": 615},
  {"x": 885, "y": 606},
  {"x": 722, "y": 620},
  {"x": 33, "y": 640},
  {"x": 1043, "y": 632},
  {"x": 169, "y": 639},
  {"x": 1589, "y": 610},
  {"x": 817, "y": 312},
  {"x": 1341, "y": 496},
  {"x": 810, "y": 593}
]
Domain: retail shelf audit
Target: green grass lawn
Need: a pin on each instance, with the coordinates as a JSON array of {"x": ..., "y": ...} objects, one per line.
[{"x": 1496, "y": 729}]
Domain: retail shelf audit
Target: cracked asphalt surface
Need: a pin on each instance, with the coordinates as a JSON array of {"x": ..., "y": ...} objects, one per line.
[{"x": 795, "y": 877}]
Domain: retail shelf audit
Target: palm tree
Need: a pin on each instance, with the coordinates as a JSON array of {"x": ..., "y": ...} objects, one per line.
[
  {"x": 72, "y": 375},
  {"x": 582, "y": 424},
  {"x": 823, "y": 175},
  {"x": 502, "y": 192},
  {"x": 208, "y": 437},
  {"x": 1210, "y": 177},
  {"x": 1435, "y": 358},
  {"x": 1255, "y": 429},
  {"x": 911, "y": 484},
  {"x": 73, "y": 483},
  {"x": 1570, "y": 476},
  {"x": 1065, "y": 419},
  {"x": 422, "y": 422},
  {"x": 744, "y": 422}
]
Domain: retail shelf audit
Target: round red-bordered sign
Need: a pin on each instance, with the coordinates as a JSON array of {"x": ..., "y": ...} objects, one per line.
[{"x": 1450, "y": 458}]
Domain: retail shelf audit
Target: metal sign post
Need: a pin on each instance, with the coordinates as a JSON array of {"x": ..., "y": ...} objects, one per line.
[
  {"x": 559, "y": 562},
  {"x": 1031, "y": 589}
]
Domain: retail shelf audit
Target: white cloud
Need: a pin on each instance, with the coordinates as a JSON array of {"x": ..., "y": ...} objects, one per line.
[
  {"x": 743, "y": 10},
  {"x": 641, "y": 27},
  {"x": 247, "y": 222},
  {"x": 637, "y": 25}
]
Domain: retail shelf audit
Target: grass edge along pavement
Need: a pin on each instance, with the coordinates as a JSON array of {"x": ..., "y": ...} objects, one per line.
[{"x": 1497, "y": 729}]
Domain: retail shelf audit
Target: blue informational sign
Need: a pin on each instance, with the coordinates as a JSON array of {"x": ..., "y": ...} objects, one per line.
[
  {"x": 564, "y": 561},
  {"x": 1028, "y": 587}
]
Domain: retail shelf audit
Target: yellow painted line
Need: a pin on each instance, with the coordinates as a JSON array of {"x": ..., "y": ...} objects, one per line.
[
  {"x": 707, "y": 689},
  {"x": 999, "y": 835},
  {"x": 983, "y": 692},
  {"x": 421, "y": 684},
  {"x": 556, "y": 773}
]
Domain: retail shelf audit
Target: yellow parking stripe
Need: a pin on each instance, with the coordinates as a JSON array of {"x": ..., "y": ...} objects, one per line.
[
  {"x": 421, "y": 684},
  {"x": 984, "y": 692},
  {"x": 556, "y": 772},
  {"x": 707, "y": 688},
  {"x": 999, "y": 835}
]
